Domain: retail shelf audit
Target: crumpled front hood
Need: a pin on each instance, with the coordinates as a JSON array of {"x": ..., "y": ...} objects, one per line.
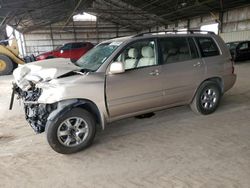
[{"x": 44, "y": 70}]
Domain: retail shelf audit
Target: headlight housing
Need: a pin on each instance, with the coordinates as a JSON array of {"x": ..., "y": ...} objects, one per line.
[{"x": 50, "y": 94}]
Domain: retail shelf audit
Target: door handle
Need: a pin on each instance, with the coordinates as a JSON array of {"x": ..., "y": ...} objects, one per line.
[
  {"x": 154, "y": 73},
  {"x": 197, "y": 64}
]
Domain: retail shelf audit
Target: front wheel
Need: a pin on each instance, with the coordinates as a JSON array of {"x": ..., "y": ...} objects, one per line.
[
  {"x": 207, "y": 98},
  {"x": 72, "y": 132}
]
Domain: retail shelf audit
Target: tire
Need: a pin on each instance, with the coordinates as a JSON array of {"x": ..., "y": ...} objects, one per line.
[
  {"x": 6, "y": 65},
  {"x": 62, "y": 139},
  {"x": 207, "y": 98}
]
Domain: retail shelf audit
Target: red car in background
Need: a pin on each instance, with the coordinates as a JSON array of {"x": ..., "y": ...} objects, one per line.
[{"x": 73, "y": 50}]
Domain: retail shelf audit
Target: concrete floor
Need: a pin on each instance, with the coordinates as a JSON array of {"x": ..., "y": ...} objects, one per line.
[{"x": 174, "y": 148}]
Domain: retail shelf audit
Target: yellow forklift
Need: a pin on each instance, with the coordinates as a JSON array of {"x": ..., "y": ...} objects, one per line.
[{"x": 9, "y": 58}]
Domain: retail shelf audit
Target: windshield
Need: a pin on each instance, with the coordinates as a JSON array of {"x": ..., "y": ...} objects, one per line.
[
  {"x": 58, "y": 47},
  {"x": 97, "y": 56},
  {"x": 232, "y": 45}
]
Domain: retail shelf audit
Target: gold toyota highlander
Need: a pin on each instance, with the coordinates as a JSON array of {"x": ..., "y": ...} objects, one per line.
[{"x": 120, "y": 78}]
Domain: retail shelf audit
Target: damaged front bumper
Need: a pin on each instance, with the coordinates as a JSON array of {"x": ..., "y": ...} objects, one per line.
[{"x": 35, "y": 113}]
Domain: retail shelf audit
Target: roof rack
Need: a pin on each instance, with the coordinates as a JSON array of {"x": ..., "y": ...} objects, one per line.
[{"x": 190, "y": 31}]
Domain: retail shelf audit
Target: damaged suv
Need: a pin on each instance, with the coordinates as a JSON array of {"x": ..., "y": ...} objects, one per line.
[{"x": 121, "y": 78}]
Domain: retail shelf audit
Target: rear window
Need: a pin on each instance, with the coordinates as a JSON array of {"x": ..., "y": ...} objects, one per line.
[
  {"x": 78, "y": 45},
  {"x": 207, "y": 46}
]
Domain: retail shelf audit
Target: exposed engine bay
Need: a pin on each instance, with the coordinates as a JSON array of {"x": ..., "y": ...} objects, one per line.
[{"x": 36, "y": 114}]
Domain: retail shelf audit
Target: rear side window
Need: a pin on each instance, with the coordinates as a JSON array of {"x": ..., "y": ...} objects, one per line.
[
  {"x": 207, "y": 46},
  {"x": 177, "y": 49},
  {"x": 243, "y": 46}
]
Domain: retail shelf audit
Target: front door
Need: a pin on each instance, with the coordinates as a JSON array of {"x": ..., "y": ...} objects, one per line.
[{"x": 139, "y": 88}]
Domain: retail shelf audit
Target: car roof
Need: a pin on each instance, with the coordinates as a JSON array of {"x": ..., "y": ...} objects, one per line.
[
  {"x": 119, "y": 39},
  {"x": 75, "y": 42},
  {"x": 166, "y": 33}
]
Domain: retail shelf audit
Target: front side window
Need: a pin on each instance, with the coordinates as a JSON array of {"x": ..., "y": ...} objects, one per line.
[
  {"x": 207, "y": 46},
  {"x": 138, "y": 54},
  {"x": 177, "y": 49},
  {"x": 94, "y": 58}
]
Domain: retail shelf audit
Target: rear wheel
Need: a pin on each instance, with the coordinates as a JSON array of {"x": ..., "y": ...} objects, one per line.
[
  {"x": 72, "y": 132},
  {"x": 6, "y": 65},
  {"x": 207, "y": 98}
]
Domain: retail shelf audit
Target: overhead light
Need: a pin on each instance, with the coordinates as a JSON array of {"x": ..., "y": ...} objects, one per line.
[
  {"x": 183, "y": 4},
  {"x": 84, "y": 17}
]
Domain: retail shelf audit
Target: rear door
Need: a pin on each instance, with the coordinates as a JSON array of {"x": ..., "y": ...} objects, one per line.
[
  {"x": 215, "y": 59},
  {"x": 139, "y": 88},
  {"x": 182, "y": 69}
]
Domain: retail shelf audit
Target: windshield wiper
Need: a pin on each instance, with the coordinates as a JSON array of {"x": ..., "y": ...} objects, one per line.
[{"x": 86, "y": 70}]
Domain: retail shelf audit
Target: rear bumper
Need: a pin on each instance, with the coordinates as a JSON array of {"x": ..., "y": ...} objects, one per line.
[{"x": 229, "y": 81}]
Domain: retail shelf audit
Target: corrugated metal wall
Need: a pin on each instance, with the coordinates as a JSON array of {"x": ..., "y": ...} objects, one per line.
[
  {"x": 49, "y": 38},
  {"x": 235, "y": 27},
  {"x": 235, "y": 36},
  {"x": 235, "y": 24}
]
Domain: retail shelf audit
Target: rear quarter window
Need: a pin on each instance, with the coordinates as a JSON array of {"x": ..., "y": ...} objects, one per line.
[{"x": 207, "y": 46}]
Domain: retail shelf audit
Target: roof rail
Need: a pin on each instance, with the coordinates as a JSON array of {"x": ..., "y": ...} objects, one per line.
[{"x": 190, "y": 31}]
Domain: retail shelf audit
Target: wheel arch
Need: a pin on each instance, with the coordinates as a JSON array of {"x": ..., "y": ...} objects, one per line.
[
  {"x": 66, "y": 105},
  {"x": 218, "y": 80}
]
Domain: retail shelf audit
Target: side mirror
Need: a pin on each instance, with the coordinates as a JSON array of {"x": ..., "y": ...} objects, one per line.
[{"x": 116, "y": 67}]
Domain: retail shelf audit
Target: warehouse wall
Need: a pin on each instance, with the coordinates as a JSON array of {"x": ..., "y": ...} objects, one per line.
[
  {"x": 236, "y": 25},
  {"x": 50, "y": 37},
  {"x": 194, "y": 23},
  {"x": 235, "y": 36}
]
